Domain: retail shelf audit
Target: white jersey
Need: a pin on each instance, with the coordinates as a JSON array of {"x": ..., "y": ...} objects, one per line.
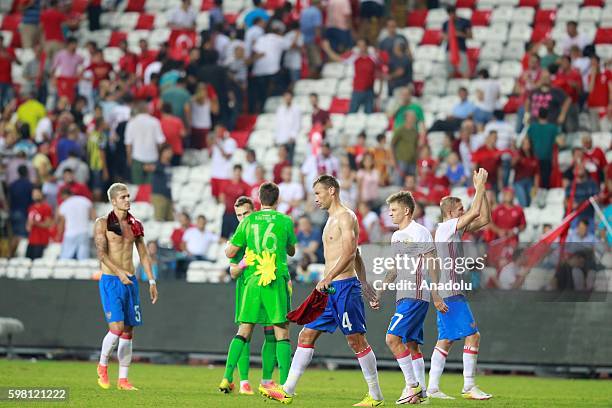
[
  {"x": 448, "y": 244},
  {"x": 411, "y": 244}
]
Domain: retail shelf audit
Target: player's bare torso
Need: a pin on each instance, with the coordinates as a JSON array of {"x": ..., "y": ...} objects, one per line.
[
  {"x": 120, "y": 247},
  {"x": 332, "y": 243}
]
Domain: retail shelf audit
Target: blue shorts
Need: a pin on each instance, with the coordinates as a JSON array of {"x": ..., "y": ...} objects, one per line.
[
  {"x": 458, "y": 322},
  {"x": 121, "y": 303},
  {"x": 407, "y": 322},
  {"x": 344, "y": 309}
]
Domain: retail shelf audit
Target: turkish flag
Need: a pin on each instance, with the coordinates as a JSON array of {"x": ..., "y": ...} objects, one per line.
[
  {"x": 453, "y": 45},
  {"x": 180, "y": 42}
]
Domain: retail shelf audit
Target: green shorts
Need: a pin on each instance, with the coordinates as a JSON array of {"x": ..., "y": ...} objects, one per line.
[{"x": 265, "y": 305}]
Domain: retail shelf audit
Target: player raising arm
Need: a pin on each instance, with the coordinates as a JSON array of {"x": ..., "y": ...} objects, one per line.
[{"x": 115, "y": 236}]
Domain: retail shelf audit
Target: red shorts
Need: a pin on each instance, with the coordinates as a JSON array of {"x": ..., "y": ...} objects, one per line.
[{"x": 216, "y": 185}]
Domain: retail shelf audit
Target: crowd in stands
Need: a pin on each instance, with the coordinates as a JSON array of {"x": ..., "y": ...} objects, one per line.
[{"x": 78, "y": 123}]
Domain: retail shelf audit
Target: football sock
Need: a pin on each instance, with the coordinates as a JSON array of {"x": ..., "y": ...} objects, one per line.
[
  {"x": 244, "y": 361},
  {"x": 108, "y": 344},
  {"x": 301, "y": 359},
  {"x": 283, "y": 356},
  {"x": 438, "y": 359},
  {"x": 367, "y": 361},
  {"x": 235, "y": 350},
  {"x": 268, "y": 355},
  {"x": 418, "y": 365},
  {"x": 470, "y": 355},
  {"x": 405, "y": 362},
  {"x": 124, "y": 354}
]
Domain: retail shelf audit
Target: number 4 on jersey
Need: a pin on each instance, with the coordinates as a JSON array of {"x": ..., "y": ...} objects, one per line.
[{"x": 346, "y": 323}]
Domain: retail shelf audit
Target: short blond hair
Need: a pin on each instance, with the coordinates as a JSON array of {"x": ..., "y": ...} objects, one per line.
[
  {"x": 114, "y": 189},
  {"x": 404, "y": 198},
  {"x": 447, "y": 203}
]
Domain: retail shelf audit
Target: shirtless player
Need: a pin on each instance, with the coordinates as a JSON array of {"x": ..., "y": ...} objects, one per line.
[
  {"x": 345, "y": 272},
  {"x": 115, "y": 236}
]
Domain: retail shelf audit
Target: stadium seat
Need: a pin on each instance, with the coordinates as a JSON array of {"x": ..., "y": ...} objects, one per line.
[
  {"x": 529, "y": 3},
  {"x": 146, "y": 21},
  {"x": 416, "y": 18},
  {"x": 480, "y": 33},
  {"x": 481, "y": 18},
  {"x": 520, "y": 32},
  {"x": 589, "y": 15},
  {"x": 436, "y": 17},
  {"x": 413, "y": 34},
  {"x": 567, "y": 13},
  {"x": 112, "y": 54},
  {"x": 333, "y": 70},
  {"x": 491, "y": 51},
  {"x": 203, "y": 21},
  {"x": 545, "y": 17},
  {"x": 303, "y": 86},
  {"x": 8, "y": 37},
  {"x": 116, "y": 38},
  {"x": 266, "y": 121},
  {"x": 128, "y": 21},
  {"x": 135, "y": 5},
  {"x": 422, "y": 68},
  {"x": 498, "y": 32},
  {"x": 540, "y": 32},
  {"x": 606, "y": 16},
  {"x": 604, "y": 51},
  {"x": 466, "y": 4},
  {"x": 510, "y": 69},
  {"x": 603, "y": 36},
  {"x": 502, "y": 15},
  {"x": 538, "y": 279},
  {"x": 345, "y": 88},
  {"x": 430, "y": 53},
  {"x": 464, "y": 13},
  {"x": 523, "y": 15},
  {"x": 491, "y": 66},
  {"x": 603, "y": 140},
  {"x": 432, "y": 37}
]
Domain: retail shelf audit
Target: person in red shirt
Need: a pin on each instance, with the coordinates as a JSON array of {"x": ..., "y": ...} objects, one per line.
[
  {"x": 145, "y": 58},
  {"x": 508, "y": 219},
  {"x": 38, "y": 225},
  {"x": 177, "y": 234},
  {"x": 175, "y": 132},
  {"x": 7, "y": 57},
  {"x": 489, "y": 158},
  {"x": 600, "y": 93},
  {"x": 74, "y": 186},
  {"x": 129, "y": 60},
  {"x": 594, "y": 158},
  {"x": 568, "y": 78},
  {"x": 51, "y": 21},
  {"x": 282, "y": 163},
  {"x": 99, "y": 68},
  {"x": 319, "y": 115},
  {"x": 230, "y": 191},
  {"x": 366, "y": 66},
  {"x": 526, "y": 172}
]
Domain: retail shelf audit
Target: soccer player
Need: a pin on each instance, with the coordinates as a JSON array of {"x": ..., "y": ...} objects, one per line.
[
  {"x": 458, "y": 322},
  {"x": 115, "y": 236},
  {"x": 267, "y": 237},
  {"x": 345, "y": 273},
  {"x": 412, "y": 242},
  {"x": 243, "y": 207}
]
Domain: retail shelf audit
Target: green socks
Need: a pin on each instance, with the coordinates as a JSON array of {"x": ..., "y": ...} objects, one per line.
[
  {"x": 283, "y": 355},
  {"x": 235, "y": 350},
  {"x": 244, "y": 361},
  {"x": 268, "y": 354}
]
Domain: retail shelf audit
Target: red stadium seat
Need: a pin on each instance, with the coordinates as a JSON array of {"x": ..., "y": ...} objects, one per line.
[
  {"x": 246, "y": 122},
  {"x": 466, "y": 4},
  {"x": 116, "y": 38},
  {"x": 529, "y": 3},
  {"x": 145, "y": 21},
  {"x": 603, "y": 35},
  {"x": 545, "y": 17},
  {"x": 416, "y": 18},
  {"x": 594, "y": 3},
  {"x": 207, "y": 5},
  {"x": 231, "y": 18},
  {"x": 481, "y": 17},
  {"x": 273, "y": 4},
  {"x": 10, "y": 22},
  {"x": 16, "y": 41},
  {"x": 540, "y": 32},
  {"x": 339, "y": 105},
  {"x": 432, "y": 37},
  {"x": 241, "y": 137},
  {"x": 79, "y": 6},
  {"x": 144, "y": 193},
  {"x": 135, "y": 5}
]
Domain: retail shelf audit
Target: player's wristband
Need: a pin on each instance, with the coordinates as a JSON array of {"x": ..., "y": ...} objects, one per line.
[
  {"x": 152, "y": 282},
  {"x": 242, "y": 264}
]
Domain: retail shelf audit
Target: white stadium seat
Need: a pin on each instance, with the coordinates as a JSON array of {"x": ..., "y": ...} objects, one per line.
[
  {"x": 333, "y": 70},
  {"x": 567, "y": 13},
  {"x": 523, "y": 15},
  {"x": 520, "y": 32},
  {"x": 502, "y": 15},
  {"x": 436, "y": 18},
  {"x": 589, "y": 15}
]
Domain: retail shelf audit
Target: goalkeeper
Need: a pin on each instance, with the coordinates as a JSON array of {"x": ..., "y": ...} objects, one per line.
[{"x": 267, "y": 237}]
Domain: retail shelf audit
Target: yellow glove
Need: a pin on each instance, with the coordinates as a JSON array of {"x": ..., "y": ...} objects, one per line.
[
  {"x": 266, "y": 268},
  {"x": 250, "y": 257}
]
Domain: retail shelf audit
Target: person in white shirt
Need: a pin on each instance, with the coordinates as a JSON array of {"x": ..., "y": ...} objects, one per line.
[
  {"x": 73, "y": 217},
  {"x": 490, "y": 92},
  {"x": 288, "y": 124},
  {"x": 143, "y": 137},
  {"x": 183, "y": 17},
  {"x": 249, "y": 169},
  {"x": 202, "y": 109},
  {"x": 197, "y": 241},
  {"x": 323, "y": 163},
  {"x": 223, "y": 148},
  {"x": 293, "y": 57},
  {"x": 291, "y": 193},
  {"x": 413, "y": 245},
  {"x": 253, "y": 34},
  {"x": 573, "y": 38}
]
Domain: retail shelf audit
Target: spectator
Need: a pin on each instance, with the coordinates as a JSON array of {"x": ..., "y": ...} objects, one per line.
[
  {"x": 356, "y": 152},
  {"x": 249, "y": 168},
  {"x": 174, "y": 131},
  {"x": 309, "y": 241},
  {"x": 260, "y": 178},
  {"x": 461, "y": 111},
  {"x": 371, "y": 12},
  {"x": 257, "y": 12},
  {"x": 203, "y": 106},
  {"x": 281, "y": 164},
  {"x": 183, "y": 17},
  {"x": 370, "y": 221},
  {"x": 197, "y": 241},
  {"x": 30, "y": 22},
  {"x": 177, "y": 234},
  {"x": 573, "y": 38},
  {"x": 292, "y": 59},
  {"x": 253, "y": 33},
  {"x": 70, "y": 183},
  {"x": 311, "y": 21},
  {"x": 69, "y": 143},
  {"x": 178, "y": 96},
  {"x": 37, "y": 76},
  {"x": 349, "y": 193},
  {"x": 604, "y": 233},
  {"x": 291, "y": 193},
  {"x": 73, "y": 217},
  {"x": 398, "y": 112},
  {"x": 508, "y": 219},
  {"x": 599, "y": 89},
  {"x": 288, "y": 124},
  {"x": 223, "y": 148},
  {"x": 96, "y": 158},
  {"x": 153, "y": 250},
  {"x": 382, "y": 157},
  {"x": 489, "y": 158},
  {"x": 488, "y": 93},
  {"x": 66, "y": 62},
  {"x": 573, "y": 274},
  {"x": 40, "y": 221},
  {"x": 455, "y": 172},
  {"x": 527, "y": 83},
  {"x": 365, "y": 65},
  {"x": 319, "y": 116},
  {"x": 569, "y": 80},
  {"x": 404, "y": 147},
  {"x": 594, "y": 157},
  {"x": 581, "y": 60},
  {"x": 505, "y": 131},
  {"x": 582, "y": 235},
  {"x": 585, "y": 188},
  {"x": 458, "y": 30},
  {"x": 77, "y": 165},
  {"x": 230, "y": 191},
  {"x": 448, "y": 146},
  {"x": 526, "y": 173},
  {"x": 128, "y": 61},
  {"x": 31, "y": 112},
  {"x": 543, "y": 136},
  {"x": 161, "y": 193},
  {"x": 551, "y": 56},
  {"x": 143, "y": 136},
  {"x": 390, "y": 37},
  {"x": 368, "y": 179},
  {"x": 52, "y": 21},
  {"x": 147, "y": 62},
  {"x": 323, "y": 163},
  {"x": 99, "y": 70},
  {"x": 20, "y": 199},
  {"x": 554, "y": 100},
  {"x": 41, "y": 163},
  {"x": 400, "y": 68},
  {"x": 338, "y": 25},
  {"x": 216, "y": 16},
  {"x": 7, "y": 57}
]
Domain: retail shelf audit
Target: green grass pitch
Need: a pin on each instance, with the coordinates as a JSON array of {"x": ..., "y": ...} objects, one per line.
[{"x": 195, "y": 386}]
